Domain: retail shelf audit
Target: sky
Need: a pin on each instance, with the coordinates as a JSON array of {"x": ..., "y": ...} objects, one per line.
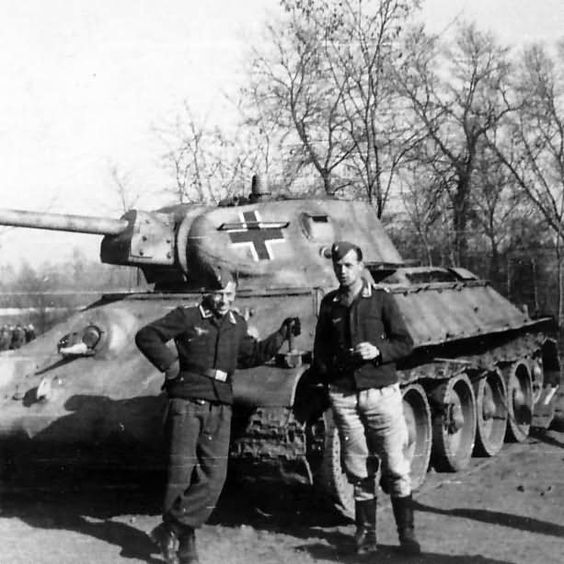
[{"x": 84, "y": 84}]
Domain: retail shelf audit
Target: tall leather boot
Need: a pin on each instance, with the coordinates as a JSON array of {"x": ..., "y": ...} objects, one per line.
[
  {"x": 187, "y": 553},
  {"x": 165, "y": 537},
  {"x": 365, "y": 519},
  {"x": 403, "y": 513}
]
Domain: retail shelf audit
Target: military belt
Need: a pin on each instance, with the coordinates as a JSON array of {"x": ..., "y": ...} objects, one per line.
[
  {"x": 214, "y": 373},
  {"x": 198, "y": 401}
]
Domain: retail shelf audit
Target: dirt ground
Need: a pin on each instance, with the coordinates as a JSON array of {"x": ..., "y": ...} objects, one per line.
[{"x": 506, "y": 509}]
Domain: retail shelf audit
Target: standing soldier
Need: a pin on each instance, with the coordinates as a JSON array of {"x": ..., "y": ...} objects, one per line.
[
  {"x": 212, "y": 341},
  {"x": 5, "y": 338},
  {"x": 29, "y": 332},
  {"x": 360, "y": 335},
  {"x": 18, "y": 337}
]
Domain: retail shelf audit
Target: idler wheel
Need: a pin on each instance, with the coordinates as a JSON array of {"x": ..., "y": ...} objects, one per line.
[
  {"x": 519, "y": 386},
  {"x": 491, "y": 414},
  {"x": 417, "y": 414},
  {"x": 454, "y": 424}
]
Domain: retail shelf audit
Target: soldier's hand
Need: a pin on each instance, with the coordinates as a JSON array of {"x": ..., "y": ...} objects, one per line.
[
  {"x": 172, "y": 371},
  {"x": 291, "y": 326},
  {"x": 367, "y": 351}
]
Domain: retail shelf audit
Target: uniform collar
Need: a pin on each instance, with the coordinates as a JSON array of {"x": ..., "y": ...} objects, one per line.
[
  {"x": 365, "y": 292},
  {"x": 206, "y": 314}
]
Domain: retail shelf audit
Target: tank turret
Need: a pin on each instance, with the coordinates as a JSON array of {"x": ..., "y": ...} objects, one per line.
[{"x": 266, "y": 243}]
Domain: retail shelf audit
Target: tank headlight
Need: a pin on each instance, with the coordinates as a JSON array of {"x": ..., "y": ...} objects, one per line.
[
  {"x": 91, "y": 336},
  {"x": 80, "y": 343}
]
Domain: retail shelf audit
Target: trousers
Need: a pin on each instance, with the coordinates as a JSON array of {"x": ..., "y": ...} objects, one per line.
[
  {"x": 197, "y": 434},
  {"x": 373, "y": 431}
]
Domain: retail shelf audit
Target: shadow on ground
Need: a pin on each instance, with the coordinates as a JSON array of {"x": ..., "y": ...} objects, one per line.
[
  {"x": 89, "y": 505},
  {"x": 86, "y": 503},
  {"x": 545, "y": 436},
  {"x": 295, "y": 512},
  {"x": 527, "y": 524},
  {"x": 391, "y": 555}
]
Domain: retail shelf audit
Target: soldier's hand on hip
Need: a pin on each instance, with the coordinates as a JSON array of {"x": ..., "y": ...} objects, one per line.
[
  {"x": 367, "y": 351},
  {"x": 172, "y": 371}
]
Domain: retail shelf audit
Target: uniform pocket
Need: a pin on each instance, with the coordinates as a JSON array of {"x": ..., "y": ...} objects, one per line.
[{"x": 177, "y": 407}]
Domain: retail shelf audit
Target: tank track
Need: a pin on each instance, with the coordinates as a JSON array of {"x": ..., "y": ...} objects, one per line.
[{"x": 272, "y": 447}]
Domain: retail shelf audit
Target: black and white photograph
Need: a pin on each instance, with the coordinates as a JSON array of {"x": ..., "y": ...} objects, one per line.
[{"x": 282, "y": 281}]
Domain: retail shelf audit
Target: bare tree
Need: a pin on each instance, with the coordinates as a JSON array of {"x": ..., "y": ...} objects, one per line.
[
  {"x": 533, "y": 149},
  {"x": 456, "y": 93},
  {"x": 295, "y": 92},
  {"x": 366, "y": 50},
  {"x": 323, "y": 77},
  {"x": 127, "y": 196},
  {"x": 207, "y": 163},
  {"x": 423, "y": 201}
]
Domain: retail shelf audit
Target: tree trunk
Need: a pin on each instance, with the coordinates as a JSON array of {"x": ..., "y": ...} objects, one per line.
[
  {"x": 559, "y": 277},
  {"x": 460, "y": 216},
  {"x": 494, "y": 267}
]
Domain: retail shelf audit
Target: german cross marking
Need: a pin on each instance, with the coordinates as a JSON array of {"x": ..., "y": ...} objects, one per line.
[{"x": 256, "y": 236}]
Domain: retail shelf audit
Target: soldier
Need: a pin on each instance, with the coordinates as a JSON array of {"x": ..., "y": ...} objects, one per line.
[
  {"x": 18, "y": 337},
  {"x": 360, "y": 335},
  {"x": 29, "y": 332},
  {"x": 5, "y": 338},
  {"x": 212, "y": 341}
]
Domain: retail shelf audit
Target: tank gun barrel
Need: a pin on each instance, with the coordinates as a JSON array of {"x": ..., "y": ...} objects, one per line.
[{"x": 63, "y": 222}]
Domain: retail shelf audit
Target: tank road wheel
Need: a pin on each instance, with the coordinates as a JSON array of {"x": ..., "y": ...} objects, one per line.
[
  {"x": 519, "y": 385},
  {"x": 454, "y": 424},
  {"x": 325, "y": 461},
  {"x": 417, "y": 414},
  {"x": 491, "y": 414}
]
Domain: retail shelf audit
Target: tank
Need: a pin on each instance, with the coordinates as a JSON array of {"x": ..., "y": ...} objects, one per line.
[{"x": 482, "y": 370}]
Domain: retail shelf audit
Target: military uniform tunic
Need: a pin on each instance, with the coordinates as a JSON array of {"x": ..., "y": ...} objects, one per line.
[
  {"x": 373, "y": 317},
  {"x": 205, "y": 343}
]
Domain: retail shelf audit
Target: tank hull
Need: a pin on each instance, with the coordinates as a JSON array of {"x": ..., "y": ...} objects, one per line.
[{"x": 107, "y": 408}]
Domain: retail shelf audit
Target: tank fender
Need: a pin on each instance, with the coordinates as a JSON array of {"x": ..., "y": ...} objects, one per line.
[{"x": 266, "y": 386}]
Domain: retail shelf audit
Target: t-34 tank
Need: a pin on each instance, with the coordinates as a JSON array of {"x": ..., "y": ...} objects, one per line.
[{"x": 482, "y": 370}]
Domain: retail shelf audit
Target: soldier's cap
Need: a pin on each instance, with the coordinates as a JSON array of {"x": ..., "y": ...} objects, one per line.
[
  {"x": 221, "y": 277},
  {"x": 341, "y": 248}
]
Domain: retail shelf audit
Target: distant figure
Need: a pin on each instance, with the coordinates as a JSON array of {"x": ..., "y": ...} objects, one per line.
[
  {"x": 360, "y": 335},
  {"x": 5, "y": 338},
  {"x": 29, "y": 332},
  {"x": 212, "y": 341},
  {"x": 18, "y": 337}
]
